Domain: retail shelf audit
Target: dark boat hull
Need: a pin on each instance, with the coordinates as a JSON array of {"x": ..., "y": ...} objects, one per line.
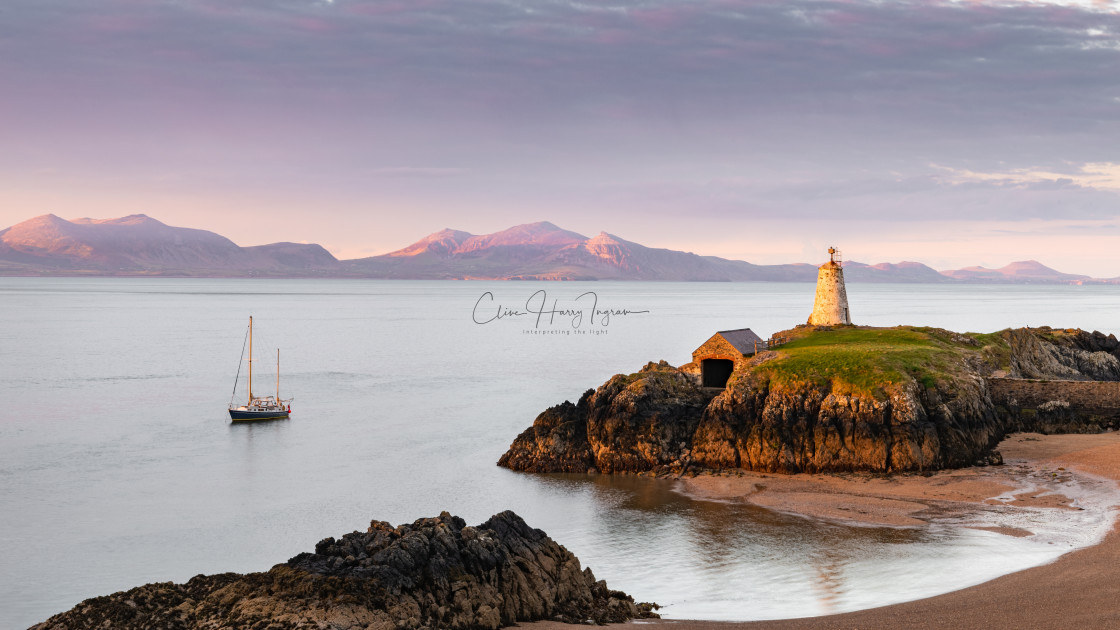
[{"x": 238, "y": 415}]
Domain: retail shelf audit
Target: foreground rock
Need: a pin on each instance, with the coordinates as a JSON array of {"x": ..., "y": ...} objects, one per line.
[
  {"x": 880, "y": 400},
  {"x": 434, "y": 573}
]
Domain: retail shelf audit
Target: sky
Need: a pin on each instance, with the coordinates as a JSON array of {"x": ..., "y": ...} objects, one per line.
[{"x": 948, "y": 133}]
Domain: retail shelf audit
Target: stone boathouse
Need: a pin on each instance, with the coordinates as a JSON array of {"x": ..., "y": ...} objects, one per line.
[{"x": 717, "y": 358}]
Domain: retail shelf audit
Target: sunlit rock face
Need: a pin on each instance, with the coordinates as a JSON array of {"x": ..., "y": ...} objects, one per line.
[{"x": 790, "y": 428}]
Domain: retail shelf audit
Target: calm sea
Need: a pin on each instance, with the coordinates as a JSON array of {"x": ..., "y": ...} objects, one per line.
[{"x": 119, "y": 466}]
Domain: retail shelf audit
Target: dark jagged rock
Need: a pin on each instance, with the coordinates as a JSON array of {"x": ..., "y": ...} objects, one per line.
[
  {"x": 1095, "y": 341},
  {"x": 1071, "y": 354},
  {"x": 556, "y": 442},
  {"x": 434, "y": 573},
  {"x": 636, "y": 423},
  {"x": 930, "y": 416},
  {"x": 632, "y": 423}
]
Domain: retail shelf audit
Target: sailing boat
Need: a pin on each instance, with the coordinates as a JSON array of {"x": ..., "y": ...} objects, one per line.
[{"x": 259, "y": 407}]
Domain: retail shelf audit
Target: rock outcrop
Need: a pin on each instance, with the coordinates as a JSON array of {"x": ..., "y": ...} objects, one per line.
[
  {"x": 557, "y": 441},
  {"x": 631, "y": 423},
  {"x": 660, "y": 419},
  {"x": 1073, "y": 355},
  {"x": 434, "y": 573},
  {"x": 759, "y": 426}
]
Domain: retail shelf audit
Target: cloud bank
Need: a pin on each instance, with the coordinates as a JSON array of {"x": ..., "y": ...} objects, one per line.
[{"x": 598, "y": 115}]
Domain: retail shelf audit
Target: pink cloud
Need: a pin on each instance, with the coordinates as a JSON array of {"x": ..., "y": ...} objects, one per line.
[
  {"x": 613, "y": 36},
  {"x": 120, "y": 24},
  {"x": 313, "y": 24},
  {"x": 381, "y": 9},
  {"x": 661, "y": 18}
]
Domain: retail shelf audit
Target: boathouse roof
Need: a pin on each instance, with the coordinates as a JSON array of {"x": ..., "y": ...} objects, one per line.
[{"x": 742, "y": 338}]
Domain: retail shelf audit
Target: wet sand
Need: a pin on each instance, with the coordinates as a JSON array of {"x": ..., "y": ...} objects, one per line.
[
  {"x": 1031, "y": 477},
  {"x": 1079, "y": 590}
]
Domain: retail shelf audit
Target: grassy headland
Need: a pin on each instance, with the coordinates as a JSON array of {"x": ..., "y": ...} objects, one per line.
[{"x": 869, "y": 361}]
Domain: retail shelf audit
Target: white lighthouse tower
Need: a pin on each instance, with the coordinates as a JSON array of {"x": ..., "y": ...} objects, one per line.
[{"x": 830, "y": 307}]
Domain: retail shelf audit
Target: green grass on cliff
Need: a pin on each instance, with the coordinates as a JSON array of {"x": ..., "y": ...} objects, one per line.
[
  {"x": 872, "y": 361},
  {"x": 994, "y": 348}
]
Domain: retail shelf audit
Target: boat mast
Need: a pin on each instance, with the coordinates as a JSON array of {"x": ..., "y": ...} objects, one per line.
[
  {"x": 250, "y": 359},
  {"x": 278, "y": 376}
]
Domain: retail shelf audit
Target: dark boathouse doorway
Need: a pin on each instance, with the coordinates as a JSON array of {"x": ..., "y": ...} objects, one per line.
[{"x": 715, "y": 372}]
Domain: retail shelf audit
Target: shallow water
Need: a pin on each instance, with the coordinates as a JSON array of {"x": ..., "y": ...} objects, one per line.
[{"x": 118, "y": 464}]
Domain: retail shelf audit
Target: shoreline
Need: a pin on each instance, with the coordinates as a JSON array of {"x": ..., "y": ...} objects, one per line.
[
  {"x": 1074, "y": 590},
  {"x": 1028, "y": 479}
]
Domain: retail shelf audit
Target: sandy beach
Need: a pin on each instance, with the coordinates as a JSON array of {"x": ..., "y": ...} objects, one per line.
[
  {"x": 1040, "y": 471},
  {"x": 1079, "y": 590}
]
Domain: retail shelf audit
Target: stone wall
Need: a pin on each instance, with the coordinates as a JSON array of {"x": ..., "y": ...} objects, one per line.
[
  {"x": 718, "y": 348},
  {"x": 1032, "y": 393},
  {"x": 1052, "y": 406}
]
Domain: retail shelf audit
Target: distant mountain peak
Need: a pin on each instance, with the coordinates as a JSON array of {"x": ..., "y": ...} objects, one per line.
[
  {"x": 535, "y": 232},
  {"x": 604, "y": 240},
  {"x": 538, "y": 225},
  {"x": 611, "y": 249},
  {"x": 905, "y": 271},
  {"x": 541, "y": 234},
  {"x": 48, "y": 219},
  {"x": 132, "y": 219},
  {"x": 45, "y": 227},
  {"x": 1023, "y": 270},
  {"x": 446, "y": 233},
  {"x": 1032, "y": 267},
  {"x": 443, "y": 242}
]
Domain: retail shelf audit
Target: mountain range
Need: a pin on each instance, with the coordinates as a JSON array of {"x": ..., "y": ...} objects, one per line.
[{"x": 138, "y": 245}]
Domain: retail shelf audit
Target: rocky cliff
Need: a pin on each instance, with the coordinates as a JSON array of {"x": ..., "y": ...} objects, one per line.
[
  {"x": 434, "y": 573},
  {"x": 1063, "y": 354},
  {"x": 758, "y": 424},
  {"x": 843, "y": 399},
  {"x": 631, "y": 423}
]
